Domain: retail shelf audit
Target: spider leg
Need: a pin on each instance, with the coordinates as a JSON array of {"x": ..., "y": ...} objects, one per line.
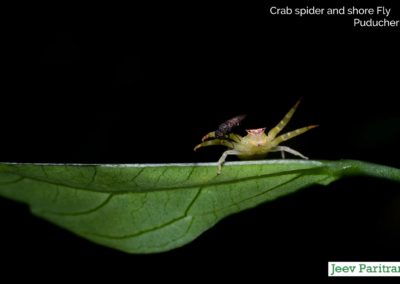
[
  {"x": 235, "y": 137},
  {"x": 213, "y": 143},
  {"x": 291, "y": 134},
  {"x": 283, "y": 149},
  {"x": 232, "y": 136},
  {"x": 223, "y": 157},
  {"x": 275, "y": 131},
  {"x": 208, "y": 136}
]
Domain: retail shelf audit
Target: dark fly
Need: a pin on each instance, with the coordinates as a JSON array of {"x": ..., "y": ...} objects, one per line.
[{"x": 226, "y": 127}]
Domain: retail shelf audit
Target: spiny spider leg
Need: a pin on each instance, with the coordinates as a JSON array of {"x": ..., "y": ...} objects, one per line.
[
  {"x": 208, "y": 136},
  {"x": 232, "y": 136},
  {"x": 235, "y": 137},
  {"x": 291, "y": 134},
  {"x": 275, "y": 131},
  {"x": 214, "y": 142},
  {"x": 283, "y": 149},
  {"x": 223, "y": 157}
]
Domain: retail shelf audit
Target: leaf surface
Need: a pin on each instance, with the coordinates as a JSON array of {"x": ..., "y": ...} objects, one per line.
[{"x": 146, "y": 208}]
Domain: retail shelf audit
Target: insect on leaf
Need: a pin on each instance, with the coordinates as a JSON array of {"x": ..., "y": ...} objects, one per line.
[{"x": 154, "y": 208}]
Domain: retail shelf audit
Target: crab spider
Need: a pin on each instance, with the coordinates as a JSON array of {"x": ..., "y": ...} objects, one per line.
[{"x": 256, "y": 144}]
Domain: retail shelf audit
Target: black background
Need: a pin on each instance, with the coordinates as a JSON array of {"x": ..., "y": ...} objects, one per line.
[{"x": 143, "y": 83}]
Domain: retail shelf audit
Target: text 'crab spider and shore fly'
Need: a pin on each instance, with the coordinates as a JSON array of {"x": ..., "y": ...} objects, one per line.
[{"x": 256, "y": 144}]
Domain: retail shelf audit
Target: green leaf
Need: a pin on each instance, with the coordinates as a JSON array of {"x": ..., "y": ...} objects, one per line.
[{"x": 152, "y": 208}]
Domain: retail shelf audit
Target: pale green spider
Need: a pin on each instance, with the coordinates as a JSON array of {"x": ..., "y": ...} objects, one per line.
[{"x": 256, "y": 144}]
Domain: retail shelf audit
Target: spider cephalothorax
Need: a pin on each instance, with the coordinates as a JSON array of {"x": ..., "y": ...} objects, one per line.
[{"x": 256, "y": 144}]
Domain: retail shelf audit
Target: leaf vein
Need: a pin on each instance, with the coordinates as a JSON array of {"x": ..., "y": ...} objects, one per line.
[
  {"x": 88, "y": 211},
  {"x": 17, "y": 180},
  {"x": 155, "y": 228}
]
